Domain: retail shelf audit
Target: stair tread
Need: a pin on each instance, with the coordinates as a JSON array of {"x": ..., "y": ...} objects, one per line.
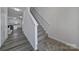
[
  {"x": 41, "y": 33},
  {"x": 40, "y": 28},
  {"x": 42, "y": 37}
]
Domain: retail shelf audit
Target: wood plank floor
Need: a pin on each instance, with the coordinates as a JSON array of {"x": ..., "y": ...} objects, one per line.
[
  {"x": 49, "y": 44},
  {"x": 16, "y": 42}
]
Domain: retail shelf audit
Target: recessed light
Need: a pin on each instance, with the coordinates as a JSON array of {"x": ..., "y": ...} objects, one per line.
[{"x": 16, "y": 9}]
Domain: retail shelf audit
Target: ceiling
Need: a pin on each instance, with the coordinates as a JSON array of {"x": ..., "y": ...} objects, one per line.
[{"x": 15, "y": 11}]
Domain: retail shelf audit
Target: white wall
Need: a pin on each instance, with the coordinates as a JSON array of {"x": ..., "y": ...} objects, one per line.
[
  {"x": 0, "y": 26},
  {"x": 29, "y": 27},
  {"x": 4, "y": 32},
  {"x": 15, "y": 21},
  {"x": 63, "y": 23}
]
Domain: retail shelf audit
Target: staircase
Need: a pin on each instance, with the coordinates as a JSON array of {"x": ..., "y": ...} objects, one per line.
[{"x": 41, "y": 33}]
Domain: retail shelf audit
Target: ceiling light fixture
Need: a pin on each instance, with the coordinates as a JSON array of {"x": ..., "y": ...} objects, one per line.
[{"x": 16, "y": 9}]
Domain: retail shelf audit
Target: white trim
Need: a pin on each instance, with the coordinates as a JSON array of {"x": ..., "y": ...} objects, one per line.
[{"x": 36, "y": 38}]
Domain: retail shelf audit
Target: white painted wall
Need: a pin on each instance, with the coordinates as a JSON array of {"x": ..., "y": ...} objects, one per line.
[
  {"x": 63, "y": 23},
  {"x": 29, "y": 27},
  {"x": 0, "y": 26},
  {"x": 12, "y": 21},
  {"x": 4, "y": 32},
  {"x": 15, "y": 21}
]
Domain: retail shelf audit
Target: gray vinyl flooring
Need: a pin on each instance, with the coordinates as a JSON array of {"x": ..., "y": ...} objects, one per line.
[
  {"x": 49, "y": 44},
  {"x": 16, "y": 42}
]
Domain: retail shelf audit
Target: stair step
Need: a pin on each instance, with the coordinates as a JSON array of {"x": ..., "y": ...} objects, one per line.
[
  {"x": 42, "y": 37},
  {"x": 40, "y": 28},
  {"x": 41, "y": 33}
]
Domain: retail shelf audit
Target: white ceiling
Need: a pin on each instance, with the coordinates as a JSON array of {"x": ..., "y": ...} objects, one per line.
[{"x": 14, "y": 13}]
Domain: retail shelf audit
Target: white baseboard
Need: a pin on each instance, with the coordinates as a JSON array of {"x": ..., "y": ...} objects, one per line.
[{"x": 69, "y": 44}]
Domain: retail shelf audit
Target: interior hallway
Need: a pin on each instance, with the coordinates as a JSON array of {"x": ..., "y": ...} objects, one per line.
[{"x": 16, "y": 42}]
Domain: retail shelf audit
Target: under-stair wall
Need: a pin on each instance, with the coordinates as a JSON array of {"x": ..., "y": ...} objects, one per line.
[{"x": 29, "y": 27}]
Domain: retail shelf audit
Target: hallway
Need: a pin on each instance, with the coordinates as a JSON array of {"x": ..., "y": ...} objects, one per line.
[
  {"x": 16, "y": 42},
  {"x": 40, "y": 31}
]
